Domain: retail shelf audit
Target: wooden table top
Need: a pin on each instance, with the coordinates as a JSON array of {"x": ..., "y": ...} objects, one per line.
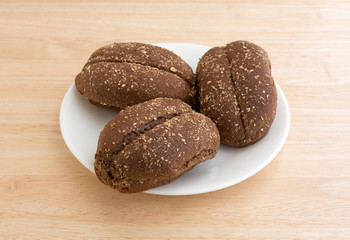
[{"x": 45, "y": 193}]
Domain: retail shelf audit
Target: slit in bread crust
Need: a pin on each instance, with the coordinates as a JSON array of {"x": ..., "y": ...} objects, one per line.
[
  {"x": 140, "y": 64},
  {"x": 236, "y": 96}
]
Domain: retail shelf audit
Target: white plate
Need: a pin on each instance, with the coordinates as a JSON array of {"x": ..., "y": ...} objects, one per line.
[{"x": 81, "y": 123}]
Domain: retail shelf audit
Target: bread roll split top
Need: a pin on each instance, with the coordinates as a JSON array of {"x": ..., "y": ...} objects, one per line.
[
  {"x": 123, "y": 74},
  {"x": 237, "y": 91},
  {"x": 153, "y": 143}
]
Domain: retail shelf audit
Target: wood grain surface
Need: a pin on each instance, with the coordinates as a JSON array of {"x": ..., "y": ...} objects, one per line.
[{"x": 45, "y": 193}]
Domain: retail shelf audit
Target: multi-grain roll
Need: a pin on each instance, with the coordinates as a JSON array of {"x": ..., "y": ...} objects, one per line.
[
  {"x": 153, "y": 143},
  {"x": 237, "y": 91},
  {"x": 124, "y": 74}
]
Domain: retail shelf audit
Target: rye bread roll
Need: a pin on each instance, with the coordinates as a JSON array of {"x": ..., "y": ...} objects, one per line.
[
  {"x": 237, "y": 91},
  {"x": 123, "y": 74},
  {"x": 153, "y": 143}
]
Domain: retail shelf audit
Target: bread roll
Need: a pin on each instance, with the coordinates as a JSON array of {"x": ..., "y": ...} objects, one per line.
[
  {"x": 237, "y": 91},
  {"x": 153, "y": 143},
  {"x": 123, "y": 74}
]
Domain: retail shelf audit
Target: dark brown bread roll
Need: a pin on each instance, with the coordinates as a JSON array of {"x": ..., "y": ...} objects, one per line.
[
  {"x": 237, "y": 91},
  {"x": 153, "y": 143},
  {"x": 124, "y": 74}
]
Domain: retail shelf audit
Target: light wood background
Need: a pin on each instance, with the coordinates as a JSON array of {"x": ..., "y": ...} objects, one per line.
[{"x": 45, "y": 193}]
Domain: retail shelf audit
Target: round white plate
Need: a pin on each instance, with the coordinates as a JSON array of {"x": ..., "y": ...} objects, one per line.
[{"x": 81, "y": 123}]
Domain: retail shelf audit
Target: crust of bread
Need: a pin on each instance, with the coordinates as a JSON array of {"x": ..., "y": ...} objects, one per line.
[
  {"x": 237, "y": 91},
  {"x": 124, "y": 74},
  {"x": 153, "y": 143}
]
